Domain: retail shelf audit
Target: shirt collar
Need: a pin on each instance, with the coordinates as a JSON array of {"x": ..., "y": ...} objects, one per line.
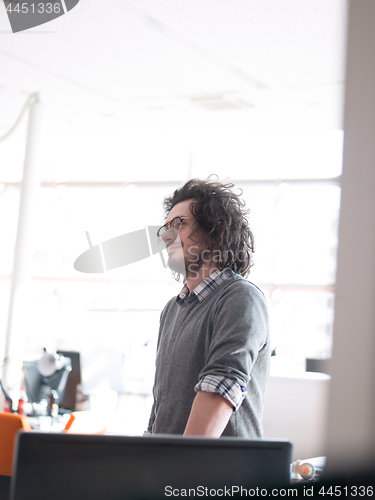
[{"x": 206, "y": 287}]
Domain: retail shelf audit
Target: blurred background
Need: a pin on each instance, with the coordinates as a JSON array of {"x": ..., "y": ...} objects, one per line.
[{"x": 137, "y": 97}]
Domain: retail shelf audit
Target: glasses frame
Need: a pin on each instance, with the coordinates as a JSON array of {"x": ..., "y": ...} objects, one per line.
[{"x": 168, "y": 224}]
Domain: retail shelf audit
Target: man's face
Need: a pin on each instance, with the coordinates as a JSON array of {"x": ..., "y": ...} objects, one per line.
[{"x": 183, "y": 247}]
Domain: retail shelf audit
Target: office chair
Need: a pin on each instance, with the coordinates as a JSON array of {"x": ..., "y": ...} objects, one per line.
[{"x": 10, "y": 424}]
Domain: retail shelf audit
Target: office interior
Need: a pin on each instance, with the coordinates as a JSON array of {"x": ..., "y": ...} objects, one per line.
[{"x": 111, "y": 107}]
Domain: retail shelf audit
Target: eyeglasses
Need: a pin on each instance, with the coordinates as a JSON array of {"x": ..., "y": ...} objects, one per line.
[{"x": 174, "y": 224}]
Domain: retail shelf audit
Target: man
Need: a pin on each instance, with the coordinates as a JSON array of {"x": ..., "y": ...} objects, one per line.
[{"x": 213, "y": 349}]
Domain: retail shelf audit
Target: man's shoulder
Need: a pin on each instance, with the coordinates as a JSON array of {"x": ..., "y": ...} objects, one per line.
[
  {"x": 236, "y": 284},
  {"x": 171, "y": 303}
]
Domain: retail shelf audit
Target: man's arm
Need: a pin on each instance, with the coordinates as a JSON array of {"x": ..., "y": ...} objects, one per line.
[{"x": 209, "y": 415}]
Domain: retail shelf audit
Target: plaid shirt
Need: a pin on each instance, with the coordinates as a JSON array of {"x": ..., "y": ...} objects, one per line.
[{"x": 224, "y": 386}]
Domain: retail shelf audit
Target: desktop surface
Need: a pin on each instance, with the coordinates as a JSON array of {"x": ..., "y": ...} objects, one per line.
[{"x": 60, "y": 466}]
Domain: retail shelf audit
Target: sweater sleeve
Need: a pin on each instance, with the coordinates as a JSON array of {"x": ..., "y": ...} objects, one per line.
[
  {"x": 240, "y": 332},
  {"x": 151, "y": 420}
]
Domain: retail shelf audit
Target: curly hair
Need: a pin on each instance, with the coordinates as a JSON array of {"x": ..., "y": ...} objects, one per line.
[{"x": 221, "y": 220}]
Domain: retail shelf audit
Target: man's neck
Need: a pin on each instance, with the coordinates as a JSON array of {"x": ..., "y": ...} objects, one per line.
[{"x": 197, "y": 277}]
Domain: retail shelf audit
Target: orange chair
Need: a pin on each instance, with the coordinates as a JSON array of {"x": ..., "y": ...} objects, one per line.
[
  {"x": 10, "y": 424},
  {"x": 80, "y": 422},
  {"x": 86, "y": 422}
]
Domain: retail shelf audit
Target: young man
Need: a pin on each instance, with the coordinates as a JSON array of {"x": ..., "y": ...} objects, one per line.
[{"x": 213, "y": 350}]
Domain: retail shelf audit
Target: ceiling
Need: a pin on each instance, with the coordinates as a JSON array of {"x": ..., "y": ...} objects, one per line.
[{"x": 188, "y": 63}]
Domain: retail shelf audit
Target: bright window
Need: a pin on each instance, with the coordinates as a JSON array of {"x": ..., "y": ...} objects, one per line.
[{"x": 290, "y": 181}]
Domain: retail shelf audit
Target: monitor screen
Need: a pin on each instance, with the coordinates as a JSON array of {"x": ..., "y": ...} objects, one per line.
[
  {"x": 61, "y": 466},
  {"x": 68, "y": 401}
]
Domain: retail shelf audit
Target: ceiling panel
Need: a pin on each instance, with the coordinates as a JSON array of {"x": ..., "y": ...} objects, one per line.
[
  {"x": 156, "y": 62},
  {"x": 293, "y": 42}
]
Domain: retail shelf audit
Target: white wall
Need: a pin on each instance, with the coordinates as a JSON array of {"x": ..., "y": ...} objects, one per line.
[
  {"x": 296, "y": 409},
  {"x": 351, "y": 431}
]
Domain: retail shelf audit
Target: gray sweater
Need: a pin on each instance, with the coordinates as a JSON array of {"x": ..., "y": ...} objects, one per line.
[{"x": 226, "y": 335}]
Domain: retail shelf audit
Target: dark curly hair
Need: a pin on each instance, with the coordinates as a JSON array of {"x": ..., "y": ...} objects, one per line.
[{"x": 221, "y": 221}]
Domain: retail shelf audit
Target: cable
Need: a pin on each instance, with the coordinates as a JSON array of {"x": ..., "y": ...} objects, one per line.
[{"x": 31, "y": 100}]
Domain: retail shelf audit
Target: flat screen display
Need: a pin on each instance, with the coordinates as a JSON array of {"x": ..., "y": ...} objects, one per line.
[{"x": 62, "y": 466}]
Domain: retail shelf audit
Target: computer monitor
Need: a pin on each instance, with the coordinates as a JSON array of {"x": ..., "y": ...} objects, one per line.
[
  {"x": 68, "y": 401},
  {"x": 62, "y": 466}
]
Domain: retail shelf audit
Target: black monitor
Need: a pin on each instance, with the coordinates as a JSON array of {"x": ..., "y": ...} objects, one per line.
[
  {"x": 62, "y": 466},
  {"x": 68, "y": 401}
]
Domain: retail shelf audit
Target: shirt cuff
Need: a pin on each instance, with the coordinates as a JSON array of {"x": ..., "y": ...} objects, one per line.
[{"x": 226, "y": 387}]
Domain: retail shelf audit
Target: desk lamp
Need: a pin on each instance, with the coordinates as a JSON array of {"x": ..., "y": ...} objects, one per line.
[{"x": 46, "y": 379}]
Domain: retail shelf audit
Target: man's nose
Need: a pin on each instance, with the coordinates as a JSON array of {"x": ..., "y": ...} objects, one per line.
[{"x": 169, "y": 236}]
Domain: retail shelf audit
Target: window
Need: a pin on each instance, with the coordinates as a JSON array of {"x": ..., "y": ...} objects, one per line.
[{"x": 290, "y": 180}]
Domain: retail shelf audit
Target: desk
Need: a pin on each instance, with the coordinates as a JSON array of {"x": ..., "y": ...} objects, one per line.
[{"x": 49, "y": 424}]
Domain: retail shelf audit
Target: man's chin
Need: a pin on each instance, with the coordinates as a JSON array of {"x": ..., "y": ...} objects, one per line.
[{"x": 177, "y": 265}]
